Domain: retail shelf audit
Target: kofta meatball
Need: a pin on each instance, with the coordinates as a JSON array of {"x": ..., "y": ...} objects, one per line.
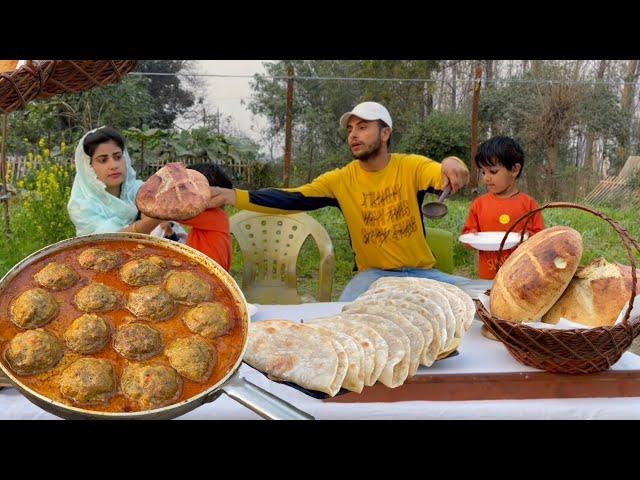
[
  {"x": 98, "y": 259},
  {"x": 209, "y": 319},
  {"x": 187, "y": 288},
  {"x": 33, "y": 308},
  {"x": 148, "y": 271},
  {"x": 192, "y": 357},
  {"x": 56, "y": 276},
  {"x": 33, "y": 351},
  {"x": 137, "y": 341},
  {"x": 152, "y": 386},
  {"x": 97, "y": 297},
  {"x": 151, "y": 302},
  {"x": 89, "y": 381},
  {"x": 87, "y": 334}
]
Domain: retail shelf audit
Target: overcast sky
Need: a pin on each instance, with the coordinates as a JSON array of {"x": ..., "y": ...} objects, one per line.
[{"x": 227, "y": 93}]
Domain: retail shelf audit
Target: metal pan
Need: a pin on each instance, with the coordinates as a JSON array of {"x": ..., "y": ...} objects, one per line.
[{"x": 251, "y": 396}]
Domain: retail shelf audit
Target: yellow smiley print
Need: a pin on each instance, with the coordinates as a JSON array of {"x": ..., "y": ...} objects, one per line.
[{"x": 504, "y": 219}]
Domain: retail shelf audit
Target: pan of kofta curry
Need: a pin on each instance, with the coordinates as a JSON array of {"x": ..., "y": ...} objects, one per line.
[{"x": 130, "y": 326}]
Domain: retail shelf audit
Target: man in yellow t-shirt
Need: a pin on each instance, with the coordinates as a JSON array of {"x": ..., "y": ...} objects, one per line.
[{"x": 379, "y": 194}]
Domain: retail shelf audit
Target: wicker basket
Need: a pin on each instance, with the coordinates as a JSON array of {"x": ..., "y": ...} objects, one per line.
[
  {"x": 75, "y": 76},
  {"x": 576, "y": 351},
  {"x": 45, "y": 78},
  {"x": 19, "y": 87}
]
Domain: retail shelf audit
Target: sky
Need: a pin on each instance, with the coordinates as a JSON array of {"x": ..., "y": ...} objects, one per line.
[{"x": 227, "y": 93}]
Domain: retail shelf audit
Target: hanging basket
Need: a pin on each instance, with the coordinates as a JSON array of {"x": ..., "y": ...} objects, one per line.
[
  {"x": 576, "y": 351},
  {"x": 19, "y": 87},
  {"x": 75, "y": 76}
]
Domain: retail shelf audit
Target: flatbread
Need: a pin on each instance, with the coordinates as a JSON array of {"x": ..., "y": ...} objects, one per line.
[
  {"x": 467, "y": 301},
  {"x": 354, "y": 378},
  {"x": 435, "y": 313},
  {"x": 375, "y": 348},
  {"x": 417, "y": 315},
  {"x": 396, "y": 369},
  {"x": 437, "y": 297},
  {"x": 416, "y": 337},
  {"x": 295, "y": 353}
]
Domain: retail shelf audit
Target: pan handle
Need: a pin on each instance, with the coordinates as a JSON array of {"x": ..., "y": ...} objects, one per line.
[{"x": 262, "y": 402}]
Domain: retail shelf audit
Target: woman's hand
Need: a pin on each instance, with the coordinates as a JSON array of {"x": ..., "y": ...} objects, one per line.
[{"x": 144, "y": 225}]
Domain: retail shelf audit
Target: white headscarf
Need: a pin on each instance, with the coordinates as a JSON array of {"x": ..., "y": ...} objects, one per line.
[{"x": 94, "y": 210}]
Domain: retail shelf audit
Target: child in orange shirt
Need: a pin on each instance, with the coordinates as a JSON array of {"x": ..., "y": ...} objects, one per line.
[
  {"x": 210, "y": 232},
  {"x": 500, "y": 160}
]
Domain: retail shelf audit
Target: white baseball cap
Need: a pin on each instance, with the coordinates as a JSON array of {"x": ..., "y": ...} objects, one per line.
[{"x": 367, "y": 111}]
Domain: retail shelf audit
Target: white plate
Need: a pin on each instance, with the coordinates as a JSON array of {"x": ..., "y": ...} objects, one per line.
[
  {"x": 490, "y": 241},
  {"x": 252, "y": 309}
]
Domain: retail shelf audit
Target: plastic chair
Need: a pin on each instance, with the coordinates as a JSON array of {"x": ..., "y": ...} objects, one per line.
[
  {"x": 270, "y": 245},
  {"x": 441, "y": 244}
]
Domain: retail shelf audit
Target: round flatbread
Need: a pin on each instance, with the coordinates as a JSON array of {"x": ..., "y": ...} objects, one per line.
[
  {"x": 435, "y": 296},
  {"x": 469, "y": 306},
  {"x": 295, "y": 353},
  {"x": 354, "y": 378},
  {"x": 375, "y": 348},
  {"x": 417, "y": 315},
  {"x": 416, "y": 337},
  {"x": 396, "y": 369}
]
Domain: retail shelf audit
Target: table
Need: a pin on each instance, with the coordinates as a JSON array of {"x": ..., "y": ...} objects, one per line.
[{"x": 477, "y": 354}]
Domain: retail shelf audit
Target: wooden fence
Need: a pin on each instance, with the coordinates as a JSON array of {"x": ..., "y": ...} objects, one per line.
[
  {"x": 618, "y": 189},
  {"x": 19, "y": 166}
]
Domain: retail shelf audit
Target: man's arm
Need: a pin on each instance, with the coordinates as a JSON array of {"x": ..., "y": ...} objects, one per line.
[
  {"x": 437, "y": 176},
  {"x": 454, "y": 173},
  {"x": 311, "y": 196}
]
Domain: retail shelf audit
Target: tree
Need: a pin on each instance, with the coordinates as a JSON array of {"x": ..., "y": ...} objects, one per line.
[
  {"x": 626, "y": 104},
  {"x": 319, "y": 103},
  {"x": 439, "y": 136},
  {"x": 67, "y": 117},
  {"x": 590, "y": 159},
  {"x": 170, "y": 96}
]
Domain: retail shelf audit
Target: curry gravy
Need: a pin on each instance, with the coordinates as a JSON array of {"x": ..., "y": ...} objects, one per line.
[{"x": 227, "y": 347}]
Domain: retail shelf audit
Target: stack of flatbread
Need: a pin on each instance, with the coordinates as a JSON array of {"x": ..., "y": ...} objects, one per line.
[{"x": 397, "y": 325}]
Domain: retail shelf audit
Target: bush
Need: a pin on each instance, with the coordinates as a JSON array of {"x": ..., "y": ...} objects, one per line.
[
  {"x": 265, "y": 175},
  {"x": 440, "y": 136},
  {"x": 43, "y": 216}
]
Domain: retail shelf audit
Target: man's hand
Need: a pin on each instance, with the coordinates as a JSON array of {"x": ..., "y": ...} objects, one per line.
[
  {"x": 454, "y": 173},
  {"x": 221, "y": 197}
]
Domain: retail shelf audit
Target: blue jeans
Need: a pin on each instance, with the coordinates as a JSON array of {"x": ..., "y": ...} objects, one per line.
[{"x": 361, "y": 282}]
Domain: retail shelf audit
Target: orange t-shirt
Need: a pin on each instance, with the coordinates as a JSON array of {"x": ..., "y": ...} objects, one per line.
[
  {"x": 210, "y": 235},
  {"x": 489, "y": 213}
]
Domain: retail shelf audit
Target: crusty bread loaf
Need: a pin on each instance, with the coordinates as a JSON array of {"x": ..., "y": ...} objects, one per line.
[
  {"x": 8, "y": 65},
  {"x": 533, "y": 278},
  {"x": 174, "y": 193},
  {"x": 595, "y": 295}
]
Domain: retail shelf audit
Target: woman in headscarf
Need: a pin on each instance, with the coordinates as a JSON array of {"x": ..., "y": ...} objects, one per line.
[{"x": 105, "y": 187}]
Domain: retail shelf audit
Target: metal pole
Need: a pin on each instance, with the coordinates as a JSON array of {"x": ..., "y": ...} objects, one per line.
[
  {"x": 3, "y": 171},
  {"x": 475, "y": 110},
  {"x": 287, "y": 133}
]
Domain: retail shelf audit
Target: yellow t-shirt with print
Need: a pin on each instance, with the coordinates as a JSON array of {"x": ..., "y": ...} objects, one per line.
[{"x": 381, "y": 209}]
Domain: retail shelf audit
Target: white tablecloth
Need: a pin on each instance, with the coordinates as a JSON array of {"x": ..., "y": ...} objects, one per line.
[{"x": 477, "y": 354}]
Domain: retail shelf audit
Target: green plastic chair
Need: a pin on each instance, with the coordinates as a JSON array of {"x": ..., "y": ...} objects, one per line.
[
  {"x": 441, "y": 244},
  {"x": 270, "y": 245}
]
